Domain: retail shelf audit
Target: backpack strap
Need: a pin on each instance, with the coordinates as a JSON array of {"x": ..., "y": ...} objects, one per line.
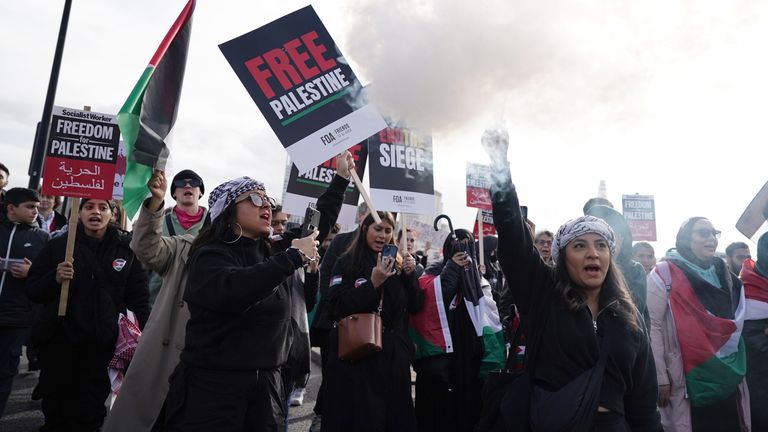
[
  {"x": 666, "y": 276},
  {"x": 169, "y": 225}
]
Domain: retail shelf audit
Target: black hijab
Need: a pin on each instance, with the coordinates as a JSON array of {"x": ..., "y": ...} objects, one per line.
[{"x": 683, "y": 243}]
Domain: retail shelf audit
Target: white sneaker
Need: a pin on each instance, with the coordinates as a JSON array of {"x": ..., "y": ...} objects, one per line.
[
  {"x": 315, "y": 427},
  {"x": 297, "y": 397}
]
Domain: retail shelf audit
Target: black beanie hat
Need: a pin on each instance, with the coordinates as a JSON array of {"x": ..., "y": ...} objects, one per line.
[{"x": 186, "y": 174}]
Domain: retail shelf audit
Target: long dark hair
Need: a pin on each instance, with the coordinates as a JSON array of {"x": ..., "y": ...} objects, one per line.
[
  {"x": 614, "y": 288},
  {"x": 358, "y": 252},
  {"x": 219, "y": 230}
]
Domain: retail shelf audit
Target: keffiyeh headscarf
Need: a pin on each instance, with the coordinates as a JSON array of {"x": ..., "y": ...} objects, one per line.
[
  {"x": 578, "y": 227},
  {"x": 225, "y": 194}
]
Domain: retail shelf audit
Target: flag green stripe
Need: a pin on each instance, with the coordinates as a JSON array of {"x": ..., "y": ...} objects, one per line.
[
  {"x": 494, "y": 351},
  {"x": 290, "y": 120},
  {"x": 716, "y": 378},
  {"x": 136, "y": 175},
  {"x": 424, "y": 348}
]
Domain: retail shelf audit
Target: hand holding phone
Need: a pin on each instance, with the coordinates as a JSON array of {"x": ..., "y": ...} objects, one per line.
[
  {"x": 311, "y": 221},
  {"x": 385, "y": 267}
]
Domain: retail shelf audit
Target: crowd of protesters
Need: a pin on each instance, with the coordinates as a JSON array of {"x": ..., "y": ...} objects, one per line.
[{"x": 580, "y": 329}]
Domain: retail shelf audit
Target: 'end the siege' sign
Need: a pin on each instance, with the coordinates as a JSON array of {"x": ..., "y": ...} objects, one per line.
[
  {"x": 304, "y": 87},
  {"x": 81, "y": 154}
]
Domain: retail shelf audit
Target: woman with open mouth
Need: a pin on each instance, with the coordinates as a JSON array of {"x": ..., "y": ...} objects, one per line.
[
  {"x": 588, "y": 358},
  {"x": 238, "y": 333}
]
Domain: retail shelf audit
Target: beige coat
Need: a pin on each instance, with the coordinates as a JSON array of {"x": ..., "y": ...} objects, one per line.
[
  {"x": 146, "y": 383},
  {"x": 676, "y": 416}
]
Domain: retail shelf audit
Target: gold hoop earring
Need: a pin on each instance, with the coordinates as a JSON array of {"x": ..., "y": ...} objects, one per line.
[{"x": 239, "y": 236}]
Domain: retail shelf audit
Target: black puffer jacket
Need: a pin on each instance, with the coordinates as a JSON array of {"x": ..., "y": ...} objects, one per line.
[
  {"x": 17, "y": 241},
  {"x": 108, "y": 280}
]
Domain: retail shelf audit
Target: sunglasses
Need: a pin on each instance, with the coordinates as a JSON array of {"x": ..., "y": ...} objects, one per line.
[
  {"x": 180, "y": 183},
  {"x": 259, "y": 201},
  {"x": 706, "y": 232},
  {"x": 544, "y": 242}
]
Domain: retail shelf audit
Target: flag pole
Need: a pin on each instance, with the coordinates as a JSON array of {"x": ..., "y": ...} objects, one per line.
[
  {"x": 366, "y": 198},
  {"x": 481, "y": 255}
]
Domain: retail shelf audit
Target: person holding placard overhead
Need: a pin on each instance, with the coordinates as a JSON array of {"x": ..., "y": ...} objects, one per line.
[
  {"x": 75, "y": 350},
  {"x": 239, "y": 330}
]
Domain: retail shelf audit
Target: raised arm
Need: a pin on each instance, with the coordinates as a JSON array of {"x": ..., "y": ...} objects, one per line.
[
  {"x": 527, "y": 275},
  {"x": 329, "y": 203},
  {"x": 154, "y": 250}
]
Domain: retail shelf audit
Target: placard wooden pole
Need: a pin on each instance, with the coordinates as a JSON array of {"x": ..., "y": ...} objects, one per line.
[
  {"x": 480, "y": 253},
  {"x": 366, "y": 198},
  {"x": 404, "y": 236},
  {"x": 74, "y": 215}
]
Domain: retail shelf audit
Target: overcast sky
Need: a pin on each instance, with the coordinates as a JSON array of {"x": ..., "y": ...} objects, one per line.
[{"x": 664, "y": 98}]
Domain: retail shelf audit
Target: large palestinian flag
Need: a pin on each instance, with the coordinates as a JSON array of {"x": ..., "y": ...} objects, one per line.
[
  {"x": 714, "y": 357},
  {"x": 148, "y": 115},
  {"x": 430, "y": 331},
  {"x": 755, "y": 291}
]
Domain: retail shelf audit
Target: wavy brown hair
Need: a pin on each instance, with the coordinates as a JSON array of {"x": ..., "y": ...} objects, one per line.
[
  {"x": 358, "y": 249},
  {"x": 614, "y": 288}
]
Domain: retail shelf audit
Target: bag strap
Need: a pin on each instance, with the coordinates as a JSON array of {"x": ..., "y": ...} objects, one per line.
[
  {"x": 665, "y": 274},
  {"x": 169, "y": 225}
]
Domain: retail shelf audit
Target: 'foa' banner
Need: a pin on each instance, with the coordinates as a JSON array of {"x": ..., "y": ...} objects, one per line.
[
  {"x": 81, "y": 156},
  {"x": 400, "y": 175},
  {"x": 304, "y": 87},
  {"x": 304, "y": 189},
  {"x": 640, "y": 213}
]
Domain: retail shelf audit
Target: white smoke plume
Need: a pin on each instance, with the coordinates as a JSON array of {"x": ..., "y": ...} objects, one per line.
[{"x": 443, "y": 63}]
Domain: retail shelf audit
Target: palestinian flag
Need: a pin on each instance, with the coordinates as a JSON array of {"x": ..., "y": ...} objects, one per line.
[
  {"x": 429, "y": 328},
  {"x": 755, "y": 291},
  {"x": 148, "y": 115},
  {"x": 431, "y": 333},
  {"x": 714, "y": 357}
]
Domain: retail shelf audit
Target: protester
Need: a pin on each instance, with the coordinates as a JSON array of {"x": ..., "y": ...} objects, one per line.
[
  {"x": 186, "y": 217},
  {"x": 634, "y": 273},
  {"x": 754, "y": 275},
  {"x": 372, "y": 393},
  {"x": 643, "y": 253},
  {"x": 20, "y": 241},
  {"x": 735, "y": 254},
  {"x": 449, "y": 383},
  {"x": 279, "y": 220},
  {"x": 410, "y": 244},
  {"x": 48, "y": 218},
  {"x": 75, "y": 350},
  {"x": 697, "y": 314},
  {"x": 305, "y": 286},
  {"x": 139, "y": 405},
  {"x": 543, "y": 242},
  {"x": 238, "y": 333},
  {"x": 577, "y": 311},
  {"x": 4, "y": 174},
  {"x": 323, "y": 321}
]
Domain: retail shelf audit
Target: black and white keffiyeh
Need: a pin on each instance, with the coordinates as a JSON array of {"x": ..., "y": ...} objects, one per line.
[
  {"x": 578, "y": 227},
  {"x": 225, "y": 194}
]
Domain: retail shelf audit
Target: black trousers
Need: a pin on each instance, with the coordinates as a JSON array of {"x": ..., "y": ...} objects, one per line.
[
  {"x": 74, "y": 386},
  {"x": 207, "y": 400},
  {"x": 11, "y": 339}
]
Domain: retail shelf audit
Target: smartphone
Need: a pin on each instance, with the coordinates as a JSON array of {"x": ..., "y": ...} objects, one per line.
[
  {"x": 524, "y": 211},
  {"x": 389, "y": 250},
  {"x": 7, "y": 263},
  {"x": 311, "y": 221}
]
